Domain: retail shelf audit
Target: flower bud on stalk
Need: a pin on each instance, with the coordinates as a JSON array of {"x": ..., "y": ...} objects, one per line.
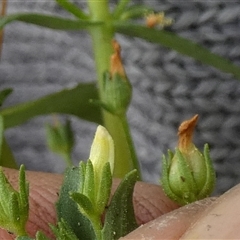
[
  {"x": 116, "y": 86},
  {"x": 188, "y": 175}
]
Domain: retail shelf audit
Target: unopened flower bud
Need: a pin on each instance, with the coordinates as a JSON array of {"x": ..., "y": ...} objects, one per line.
[
  {"x": 60, "y": 139},
  {"x": 102, "y": 150},
  {"x": 188, "y": 175},
  {"x": 117, "y": 88}
]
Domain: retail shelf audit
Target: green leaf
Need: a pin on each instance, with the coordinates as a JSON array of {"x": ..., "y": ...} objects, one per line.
[
  {"x": 119, "y": 9},
  {"x": 4, "y": 94},
  {"x": 104, "y": 188},
  {"x": 179, "y": 44},
  {"x": 63, "y": 232},
  {"x": 89, "y": 188},
  {"x": 84, "y": 203},
  {"x": 6, "y": 156},
  {"x": 48, "y": 21},
  {"x": 120, "y": 217},
  {"x": 73, "y": 101},
  {"x": 68, "y": 210},
  {"x": 13, "y": 214},
  {"x": 72, "y": 8}
]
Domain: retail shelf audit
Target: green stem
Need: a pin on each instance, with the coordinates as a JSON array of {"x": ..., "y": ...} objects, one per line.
[
  {"x": 135, "y": 163},
  {"x": 102, "y": 46},
  {"x": 68, "y": 159}
]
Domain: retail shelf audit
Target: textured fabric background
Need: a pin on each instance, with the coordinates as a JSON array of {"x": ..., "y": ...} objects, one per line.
[{"x": 168, "y": 87}]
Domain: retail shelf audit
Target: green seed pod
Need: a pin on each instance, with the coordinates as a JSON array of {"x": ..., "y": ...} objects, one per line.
[{"x": 188, "y": 175}]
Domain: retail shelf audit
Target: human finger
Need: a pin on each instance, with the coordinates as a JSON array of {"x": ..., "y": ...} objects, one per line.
[
  {"x": 221, "y": 221},
  {"x": 171, "y": 225}
]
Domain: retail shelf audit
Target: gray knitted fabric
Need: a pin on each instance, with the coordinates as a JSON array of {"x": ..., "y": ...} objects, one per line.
[{"x": 168, "y": 87}]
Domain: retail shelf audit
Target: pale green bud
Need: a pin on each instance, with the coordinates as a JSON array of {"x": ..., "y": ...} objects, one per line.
[
  {"x": 116, "y": 86},
  {"x": 188, "y": 175},
  {"x": 102, "y": 151},
  {"x": 60, "y": 139}
]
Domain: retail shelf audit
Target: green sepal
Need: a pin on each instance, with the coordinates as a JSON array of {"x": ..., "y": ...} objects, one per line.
[
  {"x": 4, "y": 94},
  {"x": 210, "y": 174},
  {"x": 120, "y": 217},
  {"x": 63, "y": 231},
  {"x": 117, "y": 93},
  {"x": 23, "y": 193},
  {"x": 104, "y": 189},
  {"x": 67, "y": 208},
  {"x": 165, "y": 180},
  {"x": 82, "y": 172},
  {"x": 14, "y": 210},
  {"x": 181, "y": 180},
  {"x": 84, "y": 203},
  {"x": 89, "y": 183}
]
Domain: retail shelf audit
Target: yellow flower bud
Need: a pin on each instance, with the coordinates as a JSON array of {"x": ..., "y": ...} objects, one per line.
[{"x": 102, "y": 151}]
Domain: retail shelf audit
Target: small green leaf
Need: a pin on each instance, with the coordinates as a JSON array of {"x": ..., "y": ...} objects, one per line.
[
  {"x": 179, "y": 44},
  {"x": 68, "y": 210},
  {"x": 89, "y": 187},
  {"x": 60, "y": 139},
  {"x": 119, "y": 9},
  {"x": 120, "y": 217},
  {"x": 84, "y": 203},
  {"x": 13, "y": 214},
  {"x": 48, "y": 21},
  {"x": 82, "y": 171},
  {"x": 6, "y": 156},
  {"x": 104, "y": 188},
  {"x": 7, "y": 159},
  {"x": 4, "y": 94},
  {"x": 63, "y": 232},
  {"x": 72, "y": 8},
  {"x": 73, "y": 101}
]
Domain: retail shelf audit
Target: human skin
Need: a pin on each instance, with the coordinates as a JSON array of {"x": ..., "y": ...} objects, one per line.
[{"x": 159, "y": 217}]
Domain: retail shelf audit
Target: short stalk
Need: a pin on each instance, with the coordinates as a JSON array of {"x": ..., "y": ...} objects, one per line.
[{"x": 68, "y": 159}]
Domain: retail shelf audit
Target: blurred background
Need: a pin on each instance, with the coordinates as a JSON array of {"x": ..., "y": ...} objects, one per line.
[{"x": 167, "y": 87}]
